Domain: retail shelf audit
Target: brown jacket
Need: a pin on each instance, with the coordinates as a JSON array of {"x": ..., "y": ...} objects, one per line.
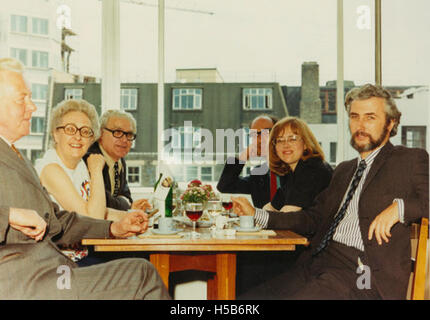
[{"x": 397, "y": 172}]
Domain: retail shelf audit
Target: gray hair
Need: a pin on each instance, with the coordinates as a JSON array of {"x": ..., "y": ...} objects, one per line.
[
  {"x": 11, "y": 64},
  {"x": 371, "y": 91},
  {"x": 66, "y": 106},
  {"x": 104, "y": 119}
]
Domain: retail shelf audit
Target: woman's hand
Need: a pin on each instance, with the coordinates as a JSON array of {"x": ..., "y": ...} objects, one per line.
[{"x": 95, "y": 162}]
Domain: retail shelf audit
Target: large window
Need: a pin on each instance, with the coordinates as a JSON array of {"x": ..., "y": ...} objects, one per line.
[
  {"x": 73, "y": 93},
  {"x": 39, "y": 59},
  {"x": 414, "y": 136},
  {"x": 187, "y": 99},
  {"x": 257, "y": 98},
  {"x": 39, "y": 91},
  {"x": 129, "y": 99},
  {"x": 20, "y": 54},
  {"x": 133, "y": 175},
  {"x": 40, "y": 26},
  {"x": 18, "y": 23},
  {"x": 37, "y": 125}
]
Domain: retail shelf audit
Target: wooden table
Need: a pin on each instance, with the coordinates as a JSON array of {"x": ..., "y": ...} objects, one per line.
[{"x": 218, "y": 255}]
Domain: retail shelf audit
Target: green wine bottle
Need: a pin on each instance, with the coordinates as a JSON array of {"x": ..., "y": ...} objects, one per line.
[{"x": 168, "y": 209}]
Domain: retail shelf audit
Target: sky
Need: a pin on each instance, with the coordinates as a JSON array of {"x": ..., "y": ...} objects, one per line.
[{"x": 256, "y": 40}]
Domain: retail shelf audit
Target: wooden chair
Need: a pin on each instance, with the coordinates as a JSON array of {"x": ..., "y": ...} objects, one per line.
[{"x": 419, "y": 275}]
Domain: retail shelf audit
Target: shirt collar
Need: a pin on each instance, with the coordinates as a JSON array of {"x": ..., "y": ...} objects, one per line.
[
  {"x": 109, "y": 161},
  {"x": 371, "y": 157},
  {"x": 5, "y": 140}
]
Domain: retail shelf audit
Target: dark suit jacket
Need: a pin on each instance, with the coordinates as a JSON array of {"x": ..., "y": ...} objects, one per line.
[
  {"x": 257, "y": 184},
  {"x": 302, "y": 185},
  {"x": 113, "y": 202},
  {"x": 28, "y": 268},
  {"x": 397, "y": 172}
]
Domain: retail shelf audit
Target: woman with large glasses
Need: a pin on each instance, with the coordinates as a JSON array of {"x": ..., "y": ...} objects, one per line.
[
  {"x": 295, "y": 154},
  {"x": 74, "y": 126}
]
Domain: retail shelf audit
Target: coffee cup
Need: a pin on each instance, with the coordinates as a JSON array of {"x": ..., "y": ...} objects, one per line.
[
  {"x": 246, "y": 222},
  {"x": 165, "y": 224}
]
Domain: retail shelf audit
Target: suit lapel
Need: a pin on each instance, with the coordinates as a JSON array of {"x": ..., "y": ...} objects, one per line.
[{"x": 377, "y": 164}]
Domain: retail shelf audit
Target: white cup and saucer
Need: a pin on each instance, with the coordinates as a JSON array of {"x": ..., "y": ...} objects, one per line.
[
  {"x": 246, "y": 224},
  {"x": 166, "y": 226}
]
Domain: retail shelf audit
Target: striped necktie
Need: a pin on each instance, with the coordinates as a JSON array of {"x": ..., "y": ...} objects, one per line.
[
  {"x": 17, "y": 152},
  {"x": 116, "y": 189},
  {"x": 339, "y": 216}
]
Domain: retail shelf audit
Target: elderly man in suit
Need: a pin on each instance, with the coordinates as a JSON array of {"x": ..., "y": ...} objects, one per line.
[
  {"x": 262, "y": 183},
  {"x": 31, "y": 226},
  {"x": 118, "y": 131},
  {"x": 360, "y": 247}
]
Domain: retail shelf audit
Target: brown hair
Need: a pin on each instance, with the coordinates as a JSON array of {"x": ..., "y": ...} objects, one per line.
[{"x": 299, "y": 127}]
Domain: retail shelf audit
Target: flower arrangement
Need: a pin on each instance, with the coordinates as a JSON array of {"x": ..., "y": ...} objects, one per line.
[{"x": 197, "y": 193}]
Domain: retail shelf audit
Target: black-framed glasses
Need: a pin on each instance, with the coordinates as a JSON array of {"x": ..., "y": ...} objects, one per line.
[
  {"x": 119, "y": 134},
  {"x": 70, "y": 129}
]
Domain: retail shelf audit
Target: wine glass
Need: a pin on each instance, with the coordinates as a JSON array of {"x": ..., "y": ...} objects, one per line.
[
  {"x": 227, "y": 203},
  {"x": 214, "y": 208},
  {"x": 194, "y": 211}
]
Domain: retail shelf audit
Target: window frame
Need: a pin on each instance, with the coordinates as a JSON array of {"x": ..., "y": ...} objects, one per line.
[
  {"x": 25, "y": 63},
  {"x": 134, "y": 174},
  {"x": 248, "y": 95},
  {"x": 73, "y": 97},
  {"x": 40, "y": 55},
  {"x": 195, "y": 93},
  {"x": 14, "y": 23},
  {"x": 129, "y": 97}
]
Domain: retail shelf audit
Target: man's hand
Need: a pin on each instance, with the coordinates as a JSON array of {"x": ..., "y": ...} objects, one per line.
[
  {"x": 28, "y": 222},
  {"x": 141, "y": 204},
  {"x": 134, "y": 222},
  {"x": 242, "y": 207},
  {"x": 382, "y": 224}
]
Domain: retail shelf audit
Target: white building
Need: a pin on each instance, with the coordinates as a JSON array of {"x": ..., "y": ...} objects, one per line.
[{"x": 29, "y": 33}]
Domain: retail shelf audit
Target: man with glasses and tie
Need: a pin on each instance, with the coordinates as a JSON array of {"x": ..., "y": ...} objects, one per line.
[
  {"x": 32, "y": 226},
  {"x": 359, "y": 225},
  {"x": 118, "y": 131},
  {"x": 261, "y": 184}
]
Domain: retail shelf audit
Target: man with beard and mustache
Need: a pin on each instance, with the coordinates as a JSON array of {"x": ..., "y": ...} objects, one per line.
[{"x": 359, "y": 225}]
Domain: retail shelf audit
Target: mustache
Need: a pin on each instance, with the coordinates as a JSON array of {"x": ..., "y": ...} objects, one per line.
[{"x": 355, "y": 134}]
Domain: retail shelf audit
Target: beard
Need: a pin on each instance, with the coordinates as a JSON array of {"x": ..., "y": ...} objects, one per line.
[{"x": 373, "y": 143}]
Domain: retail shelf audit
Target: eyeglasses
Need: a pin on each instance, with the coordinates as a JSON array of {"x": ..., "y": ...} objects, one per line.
[
  {"x": 119, "y": 134},
  {"x": 70, "y": 129},
  {"x": 293, "y": 139},
  {"x": 255, "y": 133}
]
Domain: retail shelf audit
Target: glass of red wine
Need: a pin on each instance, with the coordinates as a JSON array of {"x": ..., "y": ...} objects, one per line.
[
  {"x": 194, "y": 211},
  {"x": 227, "y": 203}
]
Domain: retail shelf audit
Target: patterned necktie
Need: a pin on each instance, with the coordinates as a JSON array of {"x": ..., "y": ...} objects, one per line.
[
  {"x": 17, "y": 152},
  {"x": 355, "y": 181},
  {"x": 116, "y": 189}
]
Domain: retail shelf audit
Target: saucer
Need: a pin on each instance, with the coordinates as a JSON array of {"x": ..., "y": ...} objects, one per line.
[
  {"x": 255, "y": 229},
  {"x": 174, "y": 231}
]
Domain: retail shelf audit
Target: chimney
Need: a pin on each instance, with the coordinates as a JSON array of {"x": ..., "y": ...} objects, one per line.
[{"x": 310, "y": 103}]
